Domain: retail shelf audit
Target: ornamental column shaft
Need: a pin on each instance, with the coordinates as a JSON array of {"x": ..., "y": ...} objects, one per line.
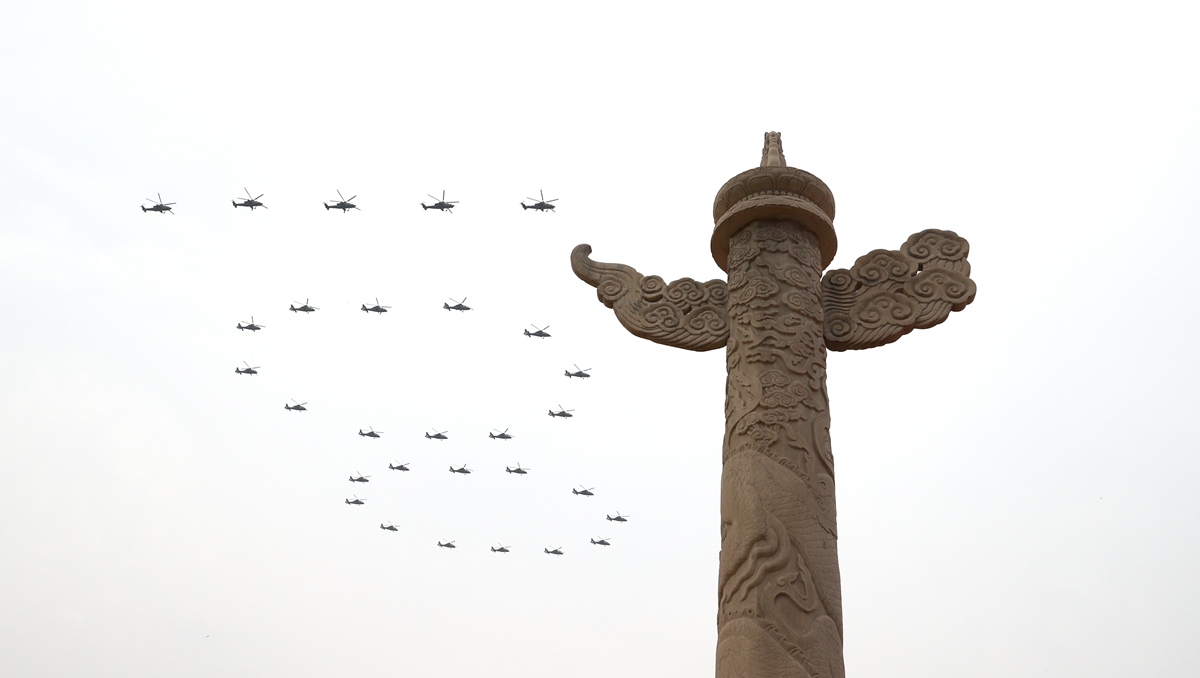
[
  {"x": 779, "y": 607},
  {"x": 780, "y": 597}
]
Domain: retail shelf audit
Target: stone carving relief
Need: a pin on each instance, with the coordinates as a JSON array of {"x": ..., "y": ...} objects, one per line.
[
  {"x": 684, "y": 314},
  {"x": 779, "y": 609},
  {"x": 886, "y": 294}
]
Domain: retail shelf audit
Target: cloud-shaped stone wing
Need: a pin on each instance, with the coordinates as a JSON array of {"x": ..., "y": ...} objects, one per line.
[
  {"x": 684, "y": 314},
  {"x": 887, "y": 293}
]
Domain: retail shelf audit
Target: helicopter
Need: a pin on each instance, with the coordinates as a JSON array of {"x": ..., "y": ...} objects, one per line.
[
  {"x": 447, "y": 545},
  {"x": 619, "y": 519},
  {"x": 566, "y": 414},
  {"x": 248, "y": 370},
  {"x": 542, "y": 205},
  {"x": 440, "y": 204},
  {"x": 399, "y": 467},
  {"x": 458, "y": 305},
  {"x": 583, "y": 493},
  {"x": 500, "y": 435},
  {"x": 250, "y": 325},
  {"x": 371, "y": 433},
  {"x": 360, "y": 479},
  {"x": 356, "y": 501},
  {"x": 437, "y": 435},
  {"x": 298, "y": 407},
  {"x": 344, "y": 205},
  {"x": 158, "y": 206},
  {"x": 464, "y": 470},
  {"x": 601, "y": 542},
  {"x": 539, "y": 333},
  {"x": 501, "y": 549},
  {"x": 249, "y": 201},
  {"x": 518, "y": 470},
  {"x": 376, "y": 308},
  {"x": 582, "y": 374},
  {"x": 554, "y": 552},
  {"x": 304, "y": 308},
  {"x": 389, "y": 526}
]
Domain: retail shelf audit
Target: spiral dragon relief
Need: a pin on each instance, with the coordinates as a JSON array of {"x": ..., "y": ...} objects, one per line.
[
  {"x": 780, "y": 591},
  {"x": 889, "y": 293}
]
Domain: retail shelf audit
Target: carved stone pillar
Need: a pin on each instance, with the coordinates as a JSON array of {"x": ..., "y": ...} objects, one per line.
[
  {"x": 780, "y": 604},
  {"x": 779, "y": 608}
]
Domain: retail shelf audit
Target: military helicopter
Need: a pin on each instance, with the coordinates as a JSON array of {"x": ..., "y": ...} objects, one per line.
[
  {"x": 500, "y": 435},
  {"x": 159, "y": 206},
  {"x": 583, "y": 493},
  {"x": 566, "y": 414},
  {"x": 601, "y": 542},
  {"x": 554, "y": 552},
  {"x": 518, "y": 470},
  {"x": 249, "y": 201},
  {"x": 447, "y": 545},
  {"x": 437, "y": 435},
  {"x": 582, "y": 374},
  {"x": 619, "y": 519},
  {"x": 389, "y": 526},
  {"x": 371, "y": 433},
  {"x": 440, "y": 204},
  {"x": 356, "y": 501},
  {"x": 540, "y": 333},
  {"x": 501, "y": 549},
  {"x": 542, "y": 205},
  {"x": 399, "y": 467},
  {"x": 248, "y": 370},
  {"x": 464, "y": 470},
  {"x": 298, "y": 407},
  {"x": 359, "y": 479},
  {"x": 458, "y": 305},
  {"x": 250, "y": 325},
  {"x": 304, "y": 308},
  {"x": 344, "y": 205},
  {"x": 376, "y": 308}
]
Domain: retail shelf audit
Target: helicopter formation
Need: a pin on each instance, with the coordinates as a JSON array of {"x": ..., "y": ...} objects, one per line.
[
  {"x": 345, "y": 204},
  {"x": 435, "y": 434}
]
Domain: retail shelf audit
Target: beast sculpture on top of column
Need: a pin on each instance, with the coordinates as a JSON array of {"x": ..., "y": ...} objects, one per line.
[{"x": 779, "y": 591}]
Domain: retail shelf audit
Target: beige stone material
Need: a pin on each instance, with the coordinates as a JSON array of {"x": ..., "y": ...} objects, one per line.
[{"x": 779, "y": 589}]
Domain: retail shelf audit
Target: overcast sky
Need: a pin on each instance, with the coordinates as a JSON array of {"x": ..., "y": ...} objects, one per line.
[{"x": 1016, "y": 487}]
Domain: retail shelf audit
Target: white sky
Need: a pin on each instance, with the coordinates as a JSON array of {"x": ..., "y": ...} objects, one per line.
[{"x": 1017, "y": 487}]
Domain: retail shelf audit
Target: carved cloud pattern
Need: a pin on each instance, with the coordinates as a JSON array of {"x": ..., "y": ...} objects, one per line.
[
  {"x": 887, "y": 293},
  {"x": 684, "y": 314}
]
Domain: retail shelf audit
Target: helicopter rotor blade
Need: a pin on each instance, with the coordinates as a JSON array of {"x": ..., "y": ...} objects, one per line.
[
  {"x": 443, "y": 195},
  {"x": 351, "y": 198},
  {"x": 248, "y": 192},
  {"x": 340, "y": 195},
  {"x": 432, "y": 196},
  {"x": 552, "y": 200},
  {"x": 541, "y": 193},
  {"x": 159, "y": 198}
]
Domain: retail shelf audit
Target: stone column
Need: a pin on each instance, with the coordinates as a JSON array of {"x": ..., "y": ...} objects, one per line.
[{"x": 779, "y": 611}]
